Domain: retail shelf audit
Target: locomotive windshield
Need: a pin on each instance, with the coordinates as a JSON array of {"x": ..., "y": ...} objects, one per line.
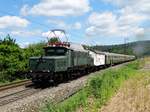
[{"x": 54, "y": 51}]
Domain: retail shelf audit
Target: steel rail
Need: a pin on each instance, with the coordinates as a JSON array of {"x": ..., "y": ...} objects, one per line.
[
  {"x": 14, "y": 84},
  {"x": 17, "y": 95}
]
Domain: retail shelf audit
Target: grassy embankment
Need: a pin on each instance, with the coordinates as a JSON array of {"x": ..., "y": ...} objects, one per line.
[
  {"x": 133, "y": 95},
  {"x": 98, "y": 91}
]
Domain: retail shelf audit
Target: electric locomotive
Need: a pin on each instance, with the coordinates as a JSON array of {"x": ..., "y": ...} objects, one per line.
[{"x": 60, "y": 61}]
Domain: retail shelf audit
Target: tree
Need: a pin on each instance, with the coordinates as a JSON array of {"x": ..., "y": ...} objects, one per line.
[
  {"x": 53, "y": 40},
  {"x": 11, "y": 58},
  {"x": 14, "y": 60},
  {"x": 9, "y": 41}
]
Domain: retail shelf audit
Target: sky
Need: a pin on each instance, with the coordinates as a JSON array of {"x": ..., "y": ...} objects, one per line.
[{"x": 92, "y": 22}]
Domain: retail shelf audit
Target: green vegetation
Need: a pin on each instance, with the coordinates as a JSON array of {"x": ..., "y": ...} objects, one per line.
[
  {"x": 139, "y": 48},
  {"x": 53, "y": 40},
  {"x": 14, "y": 60},
  {"x": 68, "y": 105},
  {"x": 98, "y": 90},
  {"x": 10, "y": 59}
]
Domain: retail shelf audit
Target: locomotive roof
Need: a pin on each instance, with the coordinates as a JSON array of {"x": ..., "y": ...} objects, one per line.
[
  {"x": 47, "y": 57},
  {"x": 108, "y": 53},
  {"x": 77, "y": 47},
  {"x": 72, "y": 46}
]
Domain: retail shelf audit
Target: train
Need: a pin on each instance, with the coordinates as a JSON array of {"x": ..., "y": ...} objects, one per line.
[{"x": 64, "y": 60}]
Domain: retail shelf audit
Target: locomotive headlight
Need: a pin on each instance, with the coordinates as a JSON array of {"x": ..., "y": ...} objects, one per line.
[{"x": 30, "y": 70}]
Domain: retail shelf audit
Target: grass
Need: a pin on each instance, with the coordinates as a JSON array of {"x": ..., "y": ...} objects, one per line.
[
  {"x": 68, "y": 105},
  {"x": 133, "y": 95},
  {"x": 98, "y": 91},
  {"x": 6, "y": 78}
]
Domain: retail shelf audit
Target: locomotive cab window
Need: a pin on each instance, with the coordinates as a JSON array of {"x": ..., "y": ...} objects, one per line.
[{"x": 55, "y": 51}]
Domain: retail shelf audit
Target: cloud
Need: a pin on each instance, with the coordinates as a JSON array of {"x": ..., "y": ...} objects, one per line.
[
  {"x": 46, "y": 34},
  {"x": 59, "y": 24},
  {"x": 128, "y": 16},
  {"x": 128, "y": 20},
  {"x": 77, "y": 25},
  {"x": 24, "y": 10},
  {"x": 102, "y": 23},
  {"x": 57, "y": 8},
  {"x": 112, "y": 25},
  {"x": 2, "y": 33},
  {"x": 140, "y": 6},
  {"x": 62, "y": 25},
  {"x": 24, "y": 44},
  {"x": 13, "y": 22},
  {"x": 121, "y": 2},
  {"x": 25, "y": 33},
  {"x": 49, "y": 34}
]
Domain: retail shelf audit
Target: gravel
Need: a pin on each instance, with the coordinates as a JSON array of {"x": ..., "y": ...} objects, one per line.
[
  {"x": 34, "y": 102},
  {"x": 12, "y": 90}
]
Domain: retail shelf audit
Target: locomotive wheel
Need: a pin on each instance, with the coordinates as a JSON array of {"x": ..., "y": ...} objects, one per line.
[{"x": 66, "y": 76}]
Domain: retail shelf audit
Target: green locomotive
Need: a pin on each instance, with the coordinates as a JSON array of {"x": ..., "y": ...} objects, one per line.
[{"x": 61, "y": 61}]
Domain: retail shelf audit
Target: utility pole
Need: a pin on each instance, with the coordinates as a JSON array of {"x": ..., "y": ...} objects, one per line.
[{"x": 125, "y": 45}]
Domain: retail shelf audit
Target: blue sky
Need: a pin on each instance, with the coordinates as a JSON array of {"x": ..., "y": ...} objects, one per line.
[{"x": 85, "y": 21}]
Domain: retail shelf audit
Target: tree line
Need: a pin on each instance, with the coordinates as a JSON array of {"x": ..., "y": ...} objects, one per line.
[{"x": 14, "y": 60}]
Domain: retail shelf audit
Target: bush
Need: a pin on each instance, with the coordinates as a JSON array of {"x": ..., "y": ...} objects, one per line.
[
  {"x": 14, "y": 60},
  {"x": 134, "y": 65},
  {"x": 69, "y": 104}
]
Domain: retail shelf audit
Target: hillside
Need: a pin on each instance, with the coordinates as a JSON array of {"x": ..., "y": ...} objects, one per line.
[{"x": 138, "y": 48}]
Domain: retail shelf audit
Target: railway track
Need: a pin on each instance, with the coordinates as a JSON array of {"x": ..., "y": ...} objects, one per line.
[
  {"x": 11, "y": 97},
  {"x": 15, "y": 84},
  {"x": 17, "y": 95}
]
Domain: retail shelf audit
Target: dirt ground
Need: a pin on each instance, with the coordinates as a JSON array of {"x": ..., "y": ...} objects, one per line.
[{"x": 134, "y": 96}]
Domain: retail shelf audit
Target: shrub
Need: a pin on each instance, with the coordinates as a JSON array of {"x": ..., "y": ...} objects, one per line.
[
  {"x": 69, "y": 104},
  {"x": 14, "y": 60}
]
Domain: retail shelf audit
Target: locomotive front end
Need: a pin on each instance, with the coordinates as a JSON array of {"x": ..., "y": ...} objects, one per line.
[
  {"x": 40, "y": 68},
  {"x": 46, "y": 67}
]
